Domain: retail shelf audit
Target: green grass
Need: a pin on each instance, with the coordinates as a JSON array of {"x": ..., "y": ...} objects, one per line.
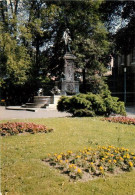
[{"x": 24, "y": 173}]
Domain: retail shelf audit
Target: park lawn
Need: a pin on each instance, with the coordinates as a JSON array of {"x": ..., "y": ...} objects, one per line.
[{"x": 24, "y": 172}]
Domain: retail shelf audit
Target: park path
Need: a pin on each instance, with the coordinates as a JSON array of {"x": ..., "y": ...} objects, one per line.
[{"x": 22, "y": 114}]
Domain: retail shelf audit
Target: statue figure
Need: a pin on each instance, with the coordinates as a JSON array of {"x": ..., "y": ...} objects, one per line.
[
  {"x": 63, "y": 76},
  {"x": 40, "y": 92},
  {"x": 67, "y": 39},
  {"x": 55, "y": 91}
]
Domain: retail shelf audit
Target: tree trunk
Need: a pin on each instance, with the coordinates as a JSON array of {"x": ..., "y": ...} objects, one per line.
[{"x": 84, "y": 80}]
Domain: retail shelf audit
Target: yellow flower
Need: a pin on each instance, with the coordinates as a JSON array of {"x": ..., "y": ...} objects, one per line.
[
  {"x": 59, "y": 157},
  {"x": 78, "y": 156},
  {"x": 128, "y": 156},
  {"x": 130, "y": 164},
  {"x": 61, "y": 161},
  {"x": 121, "y": 158},
  {"x": 114, "y": 161},
  {"x": 109, "y": 146},
  {"x": 69, "y": 152},
  {"x": 134, "y": 157},
  {"x": 49, "y": 155},
  {"x": 70, "y": 166},
  {"x": 79, "y": 170},
  {"x": 109, "y": 161},
  {"x": 101, "y": 168},
  {"x": 66, "y": 161}
]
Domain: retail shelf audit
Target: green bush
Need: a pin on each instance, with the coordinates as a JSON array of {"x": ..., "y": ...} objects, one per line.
[{"x": 91, "y": 105}]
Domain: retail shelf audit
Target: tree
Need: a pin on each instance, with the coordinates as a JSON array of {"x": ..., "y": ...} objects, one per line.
[
  {"x": 34, "y": 30},
  {"x": 90, "y": 44},
  {"x": 15, "y": 62},
  {"x": 120, "y": 20}
]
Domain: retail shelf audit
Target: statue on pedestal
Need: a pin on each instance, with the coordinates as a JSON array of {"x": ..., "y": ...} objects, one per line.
[{"x": 67, "y": 39}]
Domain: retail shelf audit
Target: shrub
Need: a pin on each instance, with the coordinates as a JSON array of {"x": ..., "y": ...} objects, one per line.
[
  {"x": 91, "y": 105},
  {"x": 13, "y": 128}
]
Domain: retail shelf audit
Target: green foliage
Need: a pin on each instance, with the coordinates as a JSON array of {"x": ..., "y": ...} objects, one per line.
[
  {"x": 91, "y": 105},
  {"x": 120, "y": 20},
  {"x": 31, "y": 40},
  {"x": 47, "y": 84},
  {"x": 14, "y": 60},
  {"x": 64, "y": 104},
  {"x": 90, "y": 44}
]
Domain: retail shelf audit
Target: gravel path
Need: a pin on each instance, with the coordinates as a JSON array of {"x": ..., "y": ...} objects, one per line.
[
  {"x": 22, "y": 114},
  {"x": 40, "y": 113}
]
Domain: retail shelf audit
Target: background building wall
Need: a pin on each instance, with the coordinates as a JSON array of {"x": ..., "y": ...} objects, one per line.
[{"x": 119, "y": 78}]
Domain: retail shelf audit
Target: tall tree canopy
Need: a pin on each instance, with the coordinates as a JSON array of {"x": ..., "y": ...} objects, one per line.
[
  {"x": 120, "y": 20},
  {"x": 15, "y": 61},
  {"x": 31, "y": 39}
]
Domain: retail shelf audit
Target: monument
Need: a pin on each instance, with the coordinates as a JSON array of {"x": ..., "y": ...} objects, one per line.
[{"x": 68, "y": 86}]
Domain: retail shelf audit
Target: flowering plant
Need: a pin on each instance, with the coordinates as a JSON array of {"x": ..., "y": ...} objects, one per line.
[
  {"x": 89, "y": 163},
  {"x": 13, "y": 128},
  {"x": 123, "y": 120}
]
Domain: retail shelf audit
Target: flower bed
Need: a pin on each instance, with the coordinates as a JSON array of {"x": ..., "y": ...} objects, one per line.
[
  {"x": 90, "y": 163},
  {"x": 123, "y": 120},
  {"x": 13, "y": 128}
]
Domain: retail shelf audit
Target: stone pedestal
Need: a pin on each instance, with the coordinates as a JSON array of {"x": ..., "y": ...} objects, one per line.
[
  {"x": 39, "y": 102},
  {"x": 54, "y": 103},
  {"x": 69, "y": 86}
]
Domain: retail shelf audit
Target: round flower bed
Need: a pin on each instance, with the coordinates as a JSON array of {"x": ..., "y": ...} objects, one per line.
[
  {"x": 123, "y": 120},
  {"x": 13, "y": 128},
  {"x": 90, "y": 163}
]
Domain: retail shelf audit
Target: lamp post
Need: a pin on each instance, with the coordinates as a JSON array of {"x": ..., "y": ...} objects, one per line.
[{"x": 125, "y": 83}]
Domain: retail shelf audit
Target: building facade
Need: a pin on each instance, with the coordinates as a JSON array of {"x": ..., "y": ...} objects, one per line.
[{"x": 122, "y": 81}]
